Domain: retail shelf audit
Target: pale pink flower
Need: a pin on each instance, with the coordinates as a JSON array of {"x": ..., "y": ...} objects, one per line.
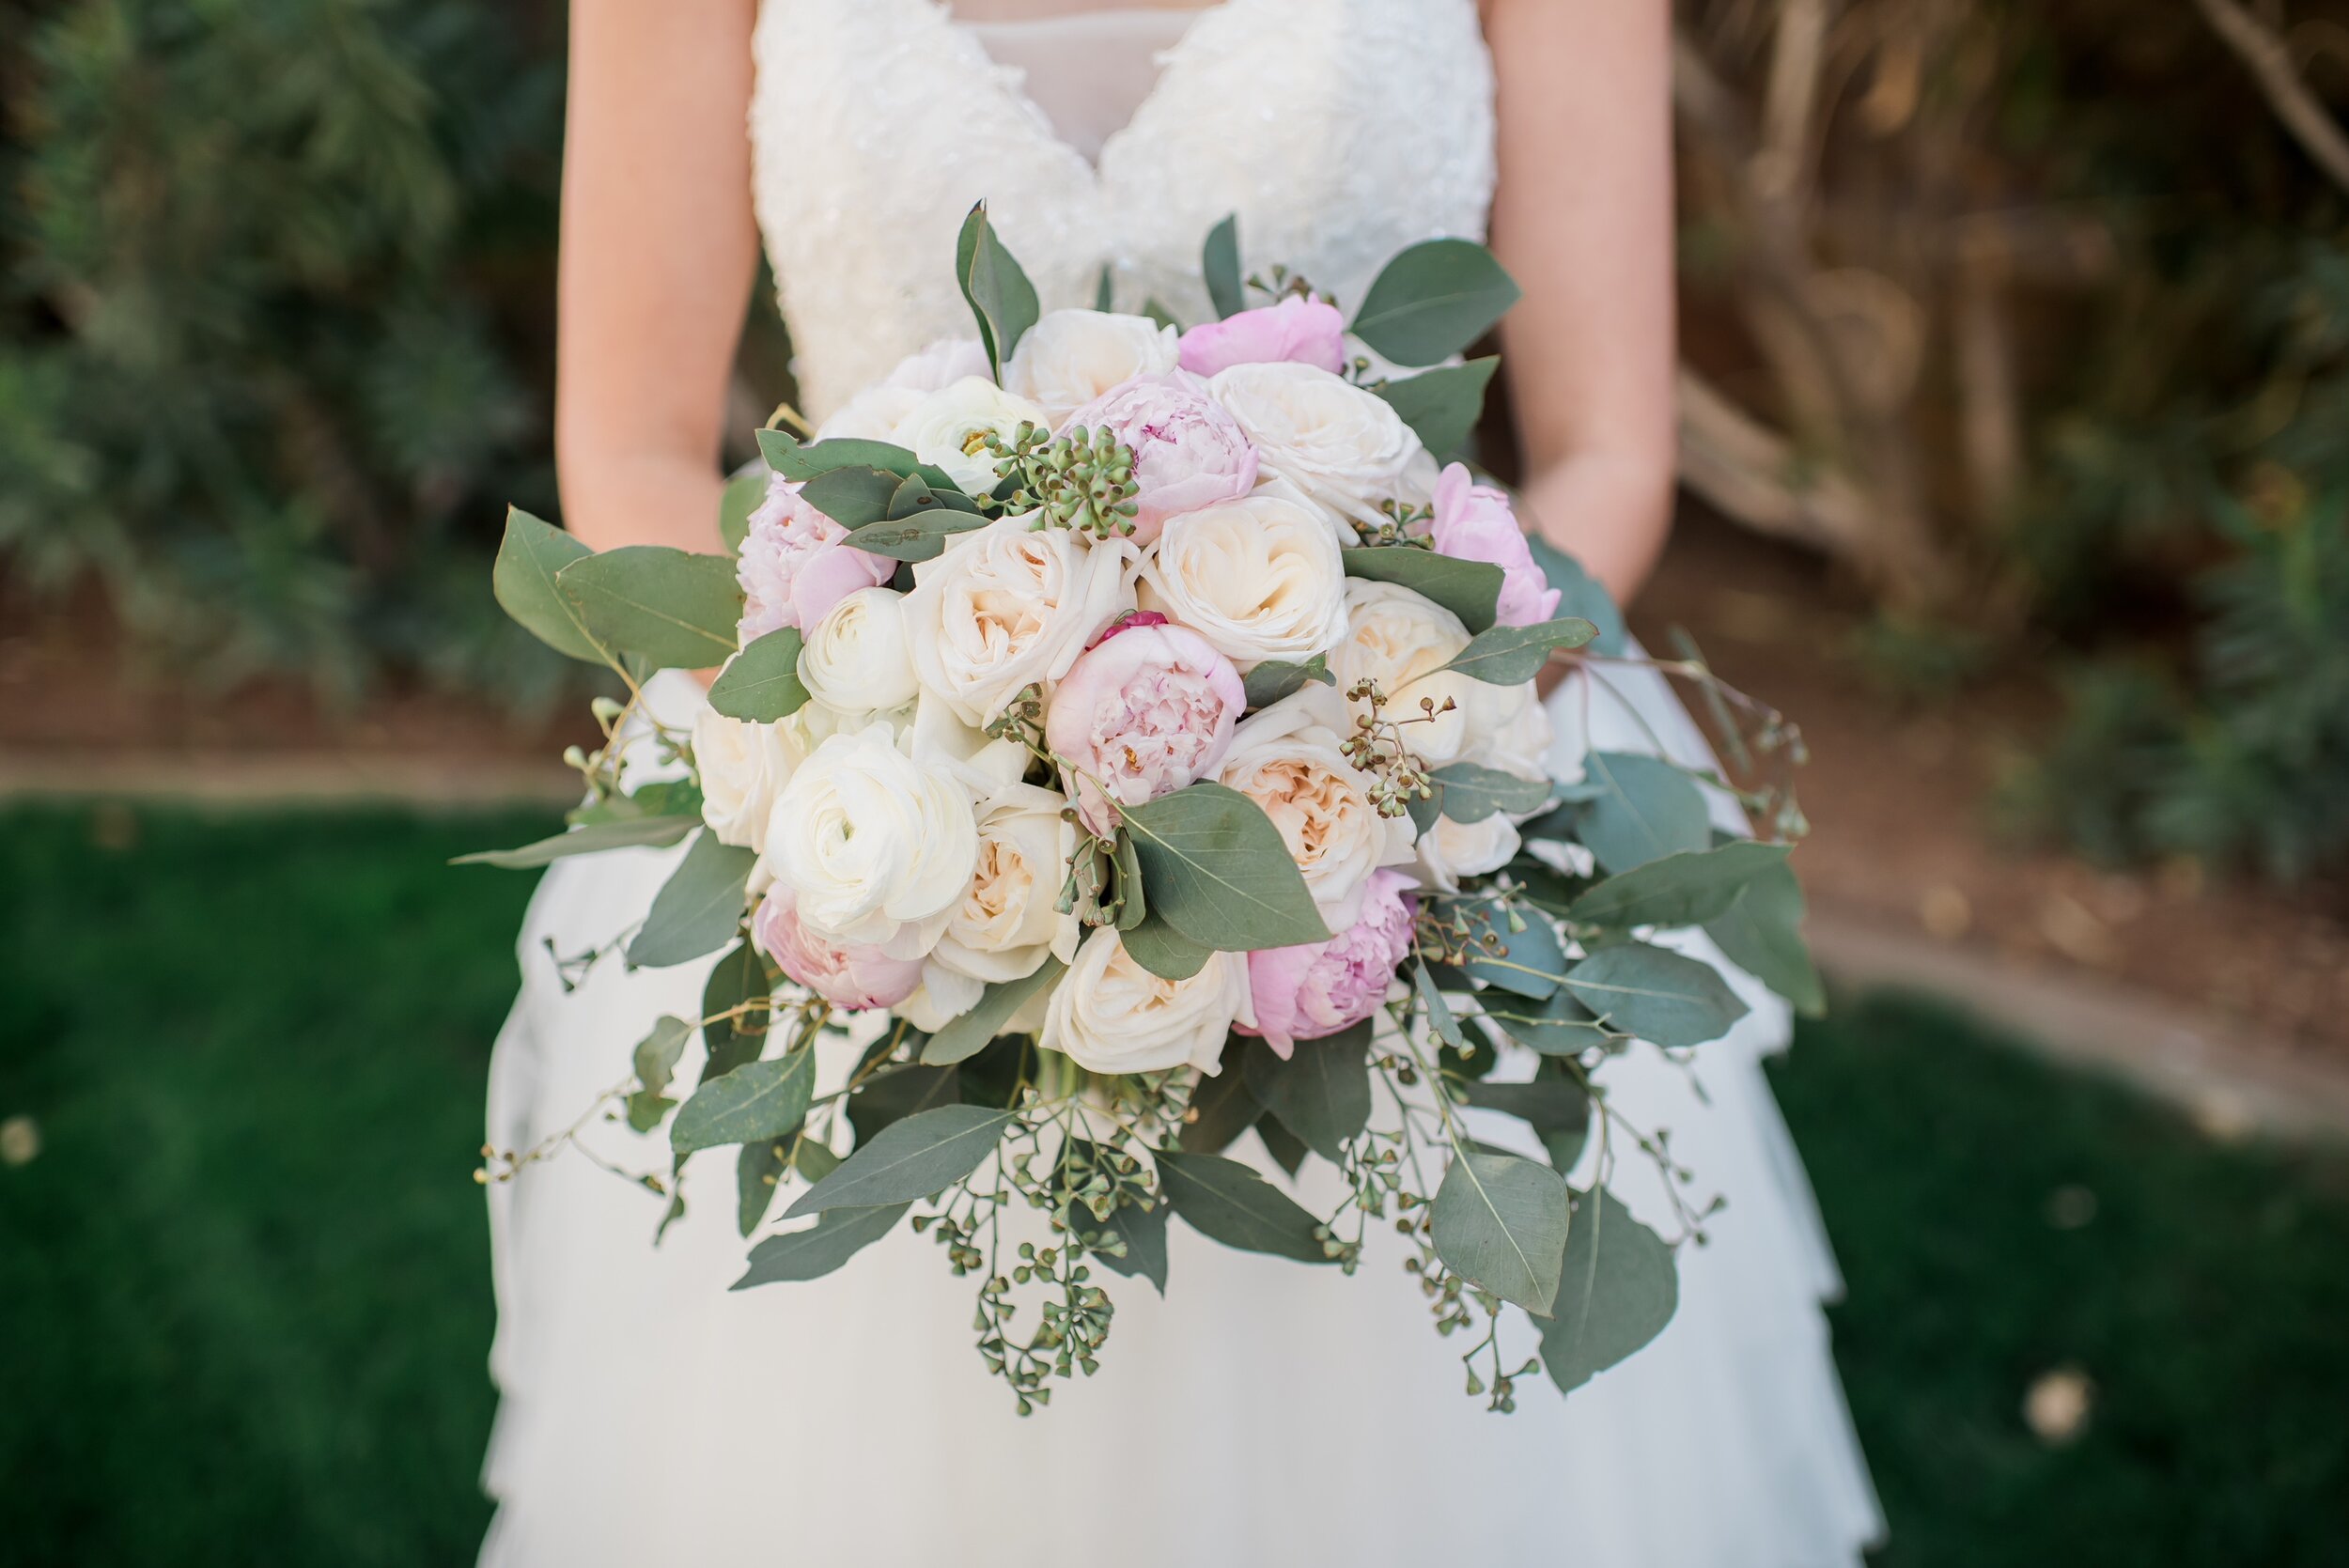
[
  {"x": 1473, "y": 523},
  {"x": 1146, "y": 710},
  {"x": 1188, "y": 452},
  {"x": 1304, "y": 993},
  {"x": 794, "y": 568},
  {"x": 851, "y": 976},
  {"x": 1310, "y": 331}
]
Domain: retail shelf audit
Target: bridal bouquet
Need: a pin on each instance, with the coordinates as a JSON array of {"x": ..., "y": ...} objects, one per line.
[{"x": 1125, "y": 737}]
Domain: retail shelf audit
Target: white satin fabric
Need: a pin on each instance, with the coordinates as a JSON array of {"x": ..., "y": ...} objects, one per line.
[{"x": 1265, "y": 1413}]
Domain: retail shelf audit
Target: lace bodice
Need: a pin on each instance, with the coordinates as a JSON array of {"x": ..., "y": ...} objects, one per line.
[{"x": 1340, "y": 131}]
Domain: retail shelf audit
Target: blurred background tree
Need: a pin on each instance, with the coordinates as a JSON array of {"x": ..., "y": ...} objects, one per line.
[{"x": 2031, "y": 315}]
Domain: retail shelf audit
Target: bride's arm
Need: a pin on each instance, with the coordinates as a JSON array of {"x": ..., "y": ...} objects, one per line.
[
  {"x": 1583, "y": 220},
  {"x": 659, "y": 252}
]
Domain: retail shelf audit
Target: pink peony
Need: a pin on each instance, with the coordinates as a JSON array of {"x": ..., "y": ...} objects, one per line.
[
  {"x": 794, "y": 568},
  {"x": 1146, "y": 710},
  {"x": 1310, "y": 331},
  {"x": 1303, "y": 993},
  {"x": 1188, "y": 452},
  {"x": 1473, "y": 523},
  {"x": 852, "y": 977}
]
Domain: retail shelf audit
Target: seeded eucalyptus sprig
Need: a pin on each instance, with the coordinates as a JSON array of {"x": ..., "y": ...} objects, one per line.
[
  {"x": 1377, "y": 747},
  {"x": 1083, "y": 480}
]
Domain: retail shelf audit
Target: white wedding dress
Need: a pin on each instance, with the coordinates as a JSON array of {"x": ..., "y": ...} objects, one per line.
[{"x": 1264, "y": 1412}]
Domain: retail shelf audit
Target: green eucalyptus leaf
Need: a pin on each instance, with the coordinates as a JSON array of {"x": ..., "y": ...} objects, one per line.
[
  {"x": 852, "y": 496},
  {"x": 919, "y": 537},
  {"x": 1646, "y": 808},
  {"x": 967, "y": 1036},
  {"x": 1558, "y": 1026},
  {"x": 1442, "y": 406},
  {"x": 659, "y": 1052},
  {"x": 1581, "y": 597},
  {"x": 1526, "y": 963},
  {"x": 798, "y": 462},
  {"x": 655, "y": 833},
  {"x": 1664, "y": 998},
  {"x": 1158, "y": 313},
  {"x": 758, "y": 1099},
  {"x": 1105, "y": 291},
  {"x": 1219, "y": 264},
  {"x": 1227, "y": 1202},
  {"x": 1466, "y": 792},
  {"x": 1439, "y": 1016},
  {"x": 737, "y": 976},
  {"x": 1225, "y": 1106},
  {"x": 1287, "y": 1150},
  {"x": 1513, "y": 655},
  {"x": 1762, "y": 934},
  {"x": 1321, "y": 1092},
  {"x": 529, "y": 558},
  {"x": 698, "y": 910},
  {"x": 645, "y": 1108},
  {"x": 891, "y": 1096},
  {"x": 823, "y": 1246},
  {"x": 675, "y": 610},
  {"x": 1470, "y": 589},
  {"x": 1555, "y": 1106},
  {"x": 1164, "y": 951},
  {"x": 1275, "y": 678},
  {"x": 744, "y": 491},
  {"x": 1499, "y": 1221},
  {"x": 1218, "y": 871},
  {"x": 757, "y": 1171},
  {"x": 1433, "y": 301},
  {"x": 915, "y": 1158},
  {"x": 761, "y": 684},
  {"x": 1144, "y": 1232},
  {"x": 1618, "y": 1290},
  {"x": 1686, "y": 889},
  {"x": 998, "y": 292}
]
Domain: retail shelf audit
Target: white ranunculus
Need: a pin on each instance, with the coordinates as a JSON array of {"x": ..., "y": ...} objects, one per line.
[
  {"x": 1450, "y": 851},
  {"x": 1401, "y": 639},
  {"x": 1009, "y": 606},
  {"x": 1110, "y": 1014},
  {"x": 1344, "y": 447},
  {"x": 1287, "y": 760},
  {"x": 1073, "y": 356},
  {"x": 1259, "y": 578},
  {"x": 874, "y": 413},
  {"x": 878, "y": 847},
  {"x": 742, "y": 767},
  {"x": 1008, "y": 923},
  {"x": 950, "y": 428},
  {"x": 859, "y": 659}
]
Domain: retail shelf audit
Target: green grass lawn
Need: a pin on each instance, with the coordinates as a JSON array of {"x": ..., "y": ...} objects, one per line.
[{"x": 244, "y": 1294}]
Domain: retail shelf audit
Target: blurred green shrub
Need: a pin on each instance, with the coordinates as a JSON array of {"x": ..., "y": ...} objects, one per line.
[{"x": 274, "y": 279}]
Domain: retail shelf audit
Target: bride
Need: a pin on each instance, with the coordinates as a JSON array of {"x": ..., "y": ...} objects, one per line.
[{"x": 648, "y": 1415}]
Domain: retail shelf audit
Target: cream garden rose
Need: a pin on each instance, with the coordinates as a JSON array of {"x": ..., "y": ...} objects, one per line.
[
  {"x": 1344, "y": 447},
  {"x": 743, "y": 766},
  {"x": 1287, "y": 760},
  {"x": 1259, "y": 578},
  {"x": 1110, "y": 1014},
  {"x": 859, "y": 658},
  {"x": 1401, "y": 639},
  {"x": 874, "y": 413},
  {"x": 1008, "y": 921},
  {"x": 1449, "y": 851},
  {"x": 949, "y": 428},
  {"x": 1008, "y": 605},
  {"x": 877, "y": 847},
  {"x": 1071, "y": 357}
]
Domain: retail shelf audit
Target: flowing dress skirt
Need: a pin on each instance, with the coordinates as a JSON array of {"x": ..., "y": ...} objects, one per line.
[{"x": 1265, "y": 1412}]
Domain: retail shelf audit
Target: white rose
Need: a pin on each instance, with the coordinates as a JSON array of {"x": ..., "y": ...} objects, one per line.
[
  {"x": 1287, "y": 760},
  {"x": 1110, "y": 1014},
  {"x": 1008, "y": 923},
  {"x": 945, "y": 995},
  {"x": 1012, "y": 605},
  {"x": 859, "y": 659},
  {"x": 1449, "y": 851},
  {"x": 742, "y": 767},
  {"x": 950, "y": 428},
  {"x": 1509, "y": 728},
  {"x": 878, "y": 847},
  {"x": 1401, "y": 640},
  {"x": 1073, "y": 356},
  {"x": 874, "y": 413},
  {"x": 1259, "y": 578},
  {"x": 1344, "y": 447}
]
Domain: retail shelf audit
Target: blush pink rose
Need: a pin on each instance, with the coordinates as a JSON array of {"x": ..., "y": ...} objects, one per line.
[
  {"x": 1147, "y": 709},
  {"x": 1304, "y": 993},
  {"x": 1473, "y": 523},
  {"x": 794, "y": 568},
  {"x": 1188, "y": 452},
  {"x": 1310, "y": 331},
  {"x": 852, "y": 977}
]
